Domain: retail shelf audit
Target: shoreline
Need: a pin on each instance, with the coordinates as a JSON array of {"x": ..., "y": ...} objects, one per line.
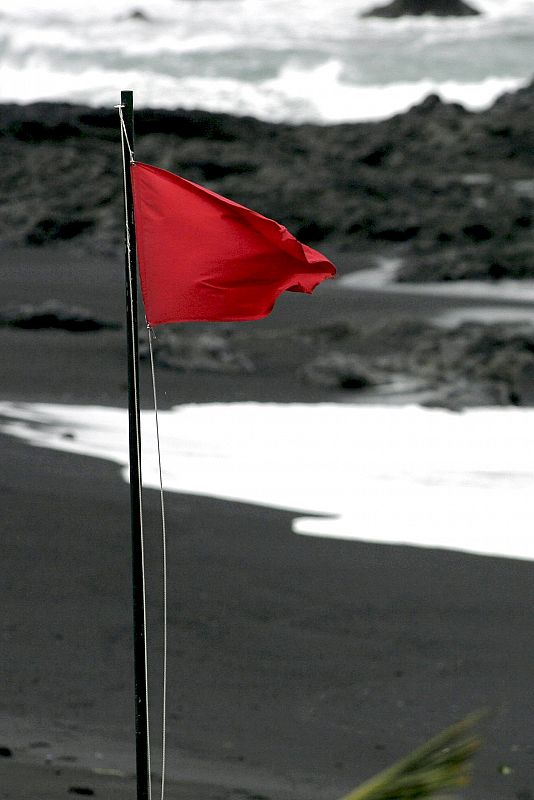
[
  {"x": 292, "y": 659},
  {"x": 206, "y": 451},
  {"x": 295, "y": 665}
]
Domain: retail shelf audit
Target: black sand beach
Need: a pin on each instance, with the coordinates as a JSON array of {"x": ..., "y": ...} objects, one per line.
[{"x": 298, "y": 666}]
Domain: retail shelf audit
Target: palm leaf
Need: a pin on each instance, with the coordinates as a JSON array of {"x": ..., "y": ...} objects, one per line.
[{"x": 441, "y": 764}]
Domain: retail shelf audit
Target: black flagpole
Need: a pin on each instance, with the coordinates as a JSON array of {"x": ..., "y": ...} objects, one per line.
[{"x": 139, "y": 618}]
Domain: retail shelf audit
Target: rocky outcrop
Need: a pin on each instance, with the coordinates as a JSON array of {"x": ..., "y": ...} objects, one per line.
[
  {"x": 205, "y": 351},
  {"x": 138, "y": 15},
  {"x": 53, "y": 230},
  {"x": 342, "y": 371},
  {"x": 447, "y": 191},
  {"x": 52, "y": 314},
  {"x": 417, "y": 8},
  {"x": 472, "y": 364}
]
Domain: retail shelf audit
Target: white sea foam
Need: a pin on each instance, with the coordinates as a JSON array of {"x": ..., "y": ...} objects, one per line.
[
  {"x": 296, "y": 94},
  {"x": 320, "y": 63},
  {"x": 429, "y": 478}
]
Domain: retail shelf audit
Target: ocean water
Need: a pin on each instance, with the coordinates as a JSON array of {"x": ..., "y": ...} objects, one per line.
[
  {"x": 399, "y": 475},
  {"x": 308, "y": 60}
]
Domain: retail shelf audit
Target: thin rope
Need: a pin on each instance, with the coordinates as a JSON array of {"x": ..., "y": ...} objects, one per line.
[
  {"x": 164, "y": 549},
  {"x": 124, "y": 135},
  {"x": 124, "y": 139}
]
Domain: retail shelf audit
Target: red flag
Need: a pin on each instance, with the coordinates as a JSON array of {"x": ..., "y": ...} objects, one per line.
[{"x": 203, "y": 257}]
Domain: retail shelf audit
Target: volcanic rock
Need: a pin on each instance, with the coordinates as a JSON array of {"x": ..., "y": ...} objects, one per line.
[
  {"x": 447, "y": 191},
  {"x": 341, "y": 370},
  {"x": 53, "y": 315},
  {"x": 47, "y": 230},
  {"x": 472, "y": 364},
  {"x": 417, "y": 8},
  {"x": 139, "y": 15},
  {"x": 465, "y": 394},
  {"x": 198, "y": 352}
]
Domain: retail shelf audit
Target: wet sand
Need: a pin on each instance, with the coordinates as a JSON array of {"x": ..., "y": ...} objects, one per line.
[{"x": 298, "y": 666}]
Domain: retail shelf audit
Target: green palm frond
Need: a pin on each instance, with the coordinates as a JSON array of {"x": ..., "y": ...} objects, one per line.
[{"x": 441, "y": 764}]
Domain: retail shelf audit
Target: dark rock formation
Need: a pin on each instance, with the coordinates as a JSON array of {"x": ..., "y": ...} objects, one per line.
[
  {"x": 448, "y": 192},
  {"x": 465, "y": 394},
  {"x": 471, "y": 365},
  {"x": 417, "y": 8},
  {"x": 53, "y": 315},
  {"x": 342, "y": 371},
  {"x": 205, "y": 351},
  {"x": 139, "y": 15},
  {"x": 135, "y": 14},
  {"x": 47, "y": 230},
  {"x": 498, "y": 259}
]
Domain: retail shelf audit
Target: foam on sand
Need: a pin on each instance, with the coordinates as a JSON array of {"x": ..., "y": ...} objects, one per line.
[{"x": 425, "y": 477}]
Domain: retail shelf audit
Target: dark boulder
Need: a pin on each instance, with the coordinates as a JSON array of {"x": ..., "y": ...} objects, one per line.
[
  {"x": 50, "y": 229},
  {"x": 205, "y": 351},
  {"x": 341, "y": 371},
  {"x": 465, "y": 394},
  {"x": 135, "y": 14},
  {"x": 471, "y": 364},
  {"x": 417, "y": 8},
  {"x": 446, "y": 190},
  {"x": 475, "y": 262},
  {"x": 139, "y": 15},
  {"x": 53, "y": 315}
]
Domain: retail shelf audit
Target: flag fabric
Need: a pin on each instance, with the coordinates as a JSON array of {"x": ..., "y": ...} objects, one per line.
[{"x": 203, "y": 257}]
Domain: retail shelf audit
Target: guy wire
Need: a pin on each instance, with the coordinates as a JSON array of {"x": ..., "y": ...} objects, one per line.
[{"x": 164, "y": 565}]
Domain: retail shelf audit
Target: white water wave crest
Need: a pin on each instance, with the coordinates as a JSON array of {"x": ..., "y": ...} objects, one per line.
[
  {"x": 320, "y": 63},
  {"x": 398, "y": 475},
  {"x": 295, "y": 95}
]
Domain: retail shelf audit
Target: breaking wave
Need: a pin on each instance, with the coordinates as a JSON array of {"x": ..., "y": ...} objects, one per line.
[{"x": 321, "y": 63}]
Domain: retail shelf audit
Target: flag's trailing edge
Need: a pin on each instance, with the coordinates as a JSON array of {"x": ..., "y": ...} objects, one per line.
[{"x": 203, "y": 257}]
